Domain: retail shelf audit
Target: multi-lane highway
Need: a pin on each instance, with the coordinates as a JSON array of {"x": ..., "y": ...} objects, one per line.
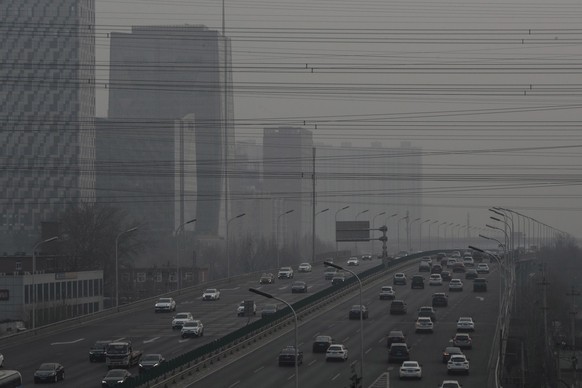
[
  {"x": 149, "y": 332},
  {"x": 260, "y": 369}
]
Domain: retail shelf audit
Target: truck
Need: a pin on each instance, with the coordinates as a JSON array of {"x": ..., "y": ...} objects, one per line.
[{"x": 121, "y": 355}]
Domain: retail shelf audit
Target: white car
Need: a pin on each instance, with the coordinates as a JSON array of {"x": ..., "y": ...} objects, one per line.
[
  {"x": 211, "y": 294},
  {"x": 336, "y": 352},
  {"x": 450, "y": 384},
  {"x": 482, "y": 268},
  {"x": 465, "y": 324},
  {"x": 435, "y": 280},
  {"x": 285, "y": 273},
  {"x": 165, "y": 304},
  {"x": 387, "y": 292},
  {"x": 304, "y": 267},
  {"x": 469, "y": 262},
  {"x": 410, "y": 370},
  {"x": 193, "y": 328},
  {"x": 399, "y": 278},
  {"x": 451, "y": 261},
  {"x": 424, "y": 324},
  {"x": 353, "y": 261},
  {"x": 455, "y": 285},
  {"x": 180, "y": 318},
  {"x": 458, "y": 363}
]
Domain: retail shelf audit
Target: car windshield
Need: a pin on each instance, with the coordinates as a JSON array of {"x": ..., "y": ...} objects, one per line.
[
  {"x": 116, "y": 373},
  {"x": 165, "y": 300},
  {"x": 409, "y": 364},
  {"x": 151, "y": 357},
  {"x": 322, "y": 338},
  {"x": 47, "y": 367},
  {"x": 182, "y": 316},
  {"x": 117, "y": 349},
  {"x": 191, "y": 324},
  {"x": 335, "y": 347},
  {"x": 210, "y": 291}
]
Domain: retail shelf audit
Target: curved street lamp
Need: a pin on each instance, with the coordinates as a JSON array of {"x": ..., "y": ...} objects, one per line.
[
  {"x": 313, "y": 235},
  {"x": 117, "y": 263},
  {"x": 180, "y": 228},
  {"x": 227, "y": 245},
  {"x": 277, "y": 234}
]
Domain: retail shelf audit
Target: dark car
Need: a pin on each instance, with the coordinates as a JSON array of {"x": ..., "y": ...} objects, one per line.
[
  {"x": 458, "y": 267},
  {"x": 424, "y": 267},
  {"x": 355, "y": 312},
  {"x": 427, "y": 311},
  {"x": 97, "y": 351},
  {"x": 267, "y": 278},
  {"x": 395, "y": 337},
  {"x": 471, "y": 274},
  {"x": 115, "y": 377},
  {"x": 440, "y": 299},
  {"x": 398, "y": 307},
  {"x": 398, "y": 352},
  {"x": 321, "y": 343},
  {"x": 299, "y": 286},
  {"x": 479, "y": 284},
  {"x": 49, "y": 371},
  {"x": 150, "y": 361},
  {"x": 417, "y": 282},
  {"x": 437, "y": 268},
  {"x": 269, "y": 309},
  {"x": 449, "y": 351},
  {"x": 446, "y": 275},
  {"x": 338, "y": 280},
  {"x": 330, "y": 273},
  {"x": 287, "y": 356}
]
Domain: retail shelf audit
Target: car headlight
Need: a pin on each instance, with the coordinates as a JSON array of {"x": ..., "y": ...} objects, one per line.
[
  {"x": 119, "y": 381},
  {"x": 103, "y": 382}
]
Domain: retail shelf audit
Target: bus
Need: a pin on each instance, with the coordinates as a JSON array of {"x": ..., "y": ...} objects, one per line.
[{"x": 10, "y": 379}]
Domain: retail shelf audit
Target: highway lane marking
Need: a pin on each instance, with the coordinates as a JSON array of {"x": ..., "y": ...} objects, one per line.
[
  {"x": 231, "y": 289},
  {"x": 316, "y": 334},
  {"x": 283, "y": 288},
  {"x": 346, "y": 339},
  {"x": 151, "y": 340},
  {"x": 480, "y": 298},
  {"x": 312, "y": 362},
  {"x": 234, "y": 384},
  {"x": 382, "y": 340},
  {"x": 183, "y": 340},
  {"x": 335, "y": 377},
  {"x": 258, "y": 369},
  {"x": 68, "y": 342},
  {"x": 290, "y": 377},
  {"x": 368, "y": 351}
]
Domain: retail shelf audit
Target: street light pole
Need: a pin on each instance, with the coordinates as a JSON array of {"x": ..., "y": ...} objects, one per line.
[
  {"x": 270, "y": 296},
  {"x": 33, "y": 299},
  {"x": 277, "y": 234},
  {"x": 227, "y": 245},
  {"x": 117, "y": 263},
  {"x": 387, "y": 218},
  {"x": 313, "y": 235},
  {"x": 408, "y": 234},
  {"x": 398, "y": 232},
  {"x": 356, "y": 243},
  {"x": 335, "y": 226},
  {"x": 420, "y": 233},
  {"x": 180, "y": 228},
  {"x": 374, "y": 227},
  {"x": 328, "y": 263},
  {"x": 429, "y": 240}
]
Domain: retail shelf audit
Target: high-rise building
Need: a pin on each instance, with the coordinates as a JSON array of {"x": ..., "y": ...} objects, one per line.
[
  {"x": 168, "y": 72},
  {"x": 47, "y": 110}
]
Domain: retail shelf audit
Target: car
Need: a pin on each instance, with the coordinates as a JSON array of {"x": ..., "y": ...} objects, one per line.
[
  {"x": 179, "y": 320},
  {"x": 440, "y": 299},
  {"x": 353, "y": 261},
  {"x": 435, "y": 280},
  {"x": 267, "y": 278},
  {"x": 479, "y": 284},
  {"x": 417, "y": 282},
  {"x": 336, "y": 352},
  {"x": 423, "y": 267},
  {"x": 240, "y": 310},
  {"x": 97, "y": 351},
  {"x": 211, "y": 294},
  {"x": 427, "y": 311},
  {"x": 338, "y": 280},
  {"x": 455, "y": 285},
  {"x": 165, "y": 305},
  {"x": 458, "y": 363},
  {"x": 399, "y": 278},
  {"x": 288, "y": 356},
  {"x": 456, "y": 254},
  {"x": 387, "y": 292},
  {"x": 298, "y": 287},
  {"x": 410, "y": 370},
  {"x": 366, "y": 256},
  {"x": 450, "y": 384},
  {"x": 269, "y": 309},
  {"x": 395, "y": 337},
  {"x": 49, "y": 372},
  {"x": 471, "y": 274},
  {"x": 458, "y": 267},
  {"x": 285, "y": 273},
  {"x": 322, "y": 343},
  {"x": 449, "y": 351},
  {"x": 398, "y": 306},
  {"x": 482, "y": 268},
  {"x": 115, "y": 377},
  {"x": 150, "y": 361},
  {"x": 355, "y": 312},
  {"x": 424, "y": 324},
  {"x": 328, "y": 260},
  {"x": 437, "y": 268},
  {"x": 329, "y": 273},
  {"x": 451, "y": 262},
  {"x": 469, "y": 262},
  {"x": 193, "y": 328},
  {"x": 463, "y": 341},
  {"x": 446, "y": 275},
  {"x": 426, "y": 259},
  {"x": 398, "y": 352},
  {"x": 465, "y": 324},
  {"x": 304, "y": 267}
]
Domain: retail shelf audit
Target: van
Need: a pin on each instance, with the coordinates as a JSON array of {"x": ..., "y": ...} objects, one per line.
[
  {"x": 479, "y": 284},
  {"x": 417, "y": 282}
]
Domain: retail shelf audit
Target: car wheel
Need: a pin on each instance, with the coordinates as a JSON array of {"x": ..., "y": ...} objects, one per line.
[{"x": 63, "y": 376}]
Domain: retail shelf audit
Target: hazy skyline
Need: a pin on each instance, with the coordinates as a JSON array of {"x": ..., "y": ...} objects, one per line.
[{"x": 488, "y": 90}]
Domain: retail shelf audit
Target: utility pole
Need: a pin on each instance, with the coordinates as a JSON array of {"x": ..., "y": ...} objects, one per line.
[
  {"x": 573, "y": 294},
  {"x": 313, "y": 210}
]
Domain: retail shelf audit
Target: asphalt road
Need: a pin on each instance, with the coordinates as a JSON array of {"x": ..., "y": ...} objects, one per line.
[
  {"x": 148, "y": 331},
  {"x": 260, "y": 368}
]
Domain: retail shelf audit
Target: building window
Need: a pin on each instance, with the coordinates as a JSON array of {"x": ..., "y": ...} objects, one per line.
[
  {"x": 188, "y": 276},
  {"x": 141, "y": 277},
  {"x": 18, "y": 266},
  {"x": 52, "y": 295},
  {"x": 158, "y": 277},
  {"x": 172, "y": 277}
]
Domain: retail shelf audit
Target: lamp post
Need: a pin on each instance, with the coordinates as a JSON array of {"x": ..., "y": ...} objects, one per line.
[
  {"x": 180, "y": 228},
  {"x": 357, "y": 215},
  {"x": 420, "y": 234},
  {"x": 227, "y": 245},
  {"x": 267, "y": 295},
  {"x": 335, "y": 226},
  {"x": 408, "y": 234},
  {"x": 33, "y": 299},
  {"x": 398, "y": 231},
  {"x": 387, "y": 218},
  {"x": 313, "y": 235},
  {"x": 429, "y": 240},
  {"x": 277, "y": 234},
  {"x": 117, "y": 263},
  {"x": 374, "y": 227},
  {"x": 361, "y": 317}
]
